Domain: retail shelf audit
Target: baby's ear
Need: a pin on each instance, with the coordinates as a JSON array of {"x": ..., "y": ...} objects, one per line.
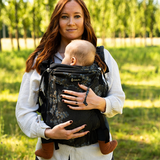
[{"x": 73, "y": 61}]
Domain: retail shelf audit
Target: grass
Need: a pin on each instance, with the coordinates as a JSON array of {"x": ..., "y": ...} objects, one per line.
[
  {"x": 137, "y": 129},
  {"x": 13, "y": 143}
]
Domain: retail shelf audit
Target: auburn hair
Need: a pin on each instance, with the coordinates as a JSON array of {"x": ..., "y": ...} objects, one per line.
[
  {"x": 51, "y": 39},
  {"x": 100, "y": 63}
]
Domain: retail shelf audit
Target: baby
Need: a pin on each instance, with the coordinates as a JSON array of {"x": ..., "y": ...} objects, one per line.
[{"x": 81, "y": 53}]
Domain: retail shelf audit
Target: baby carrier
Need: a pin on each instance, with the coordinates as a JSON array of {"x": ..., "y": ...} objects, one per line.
[{"x": 58, "y": 77}]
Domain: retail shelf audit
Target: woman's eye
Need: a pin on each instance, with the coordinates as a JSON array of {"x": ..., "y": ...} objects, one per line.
[
  {"x": 77, "y": 16},
  {"x": 64, "y": 17}
]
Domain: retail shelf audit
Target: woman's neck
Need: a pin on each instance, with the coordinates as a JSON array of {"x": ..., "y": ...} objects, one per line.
[{"x": 62, "y": 47}]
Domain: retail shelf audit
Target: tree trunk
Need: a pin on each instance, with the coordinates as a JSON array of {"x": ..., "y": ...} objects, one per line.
[
  {"x": 34, "y": 38},
  {"x": 25, "y": 37},
  {"x": 0, "y": 33},
  {"x": 120, "y": 36},
  {"x": 0, "y": 41},
  {"x": 16, "y": 16},
  {"x": 114, "y": 39},
  {"x": 124, "y": 38},
  {"x": 144, "y": 26},
  {"x": 103, "y": 31},
  {"x": 130, "y": 40},
  {"x": 133, "y": 37},
  {"x": 10, "y": 36},
  {"x": 103, "y": 39},
  {"x": 151, "y": 37},
  {"x": 144, "y": 36},
  {"x": 141, "y": 40}
]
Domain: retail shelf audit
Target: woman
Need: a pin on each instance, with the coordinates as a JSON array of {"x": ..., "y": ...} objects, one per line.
[{"x": 70, "y": 20}]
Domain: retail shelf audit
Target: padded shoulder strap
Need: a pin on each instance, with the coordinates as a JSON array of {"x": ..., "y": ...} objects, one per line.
[
  {"x": 44, "y": 65},
  {"x": 100, "y": 52}
]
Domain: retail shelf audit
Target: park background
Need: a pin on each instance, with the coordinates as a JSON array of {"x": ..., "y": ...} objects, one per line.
[{"x": 129, "y": 29}]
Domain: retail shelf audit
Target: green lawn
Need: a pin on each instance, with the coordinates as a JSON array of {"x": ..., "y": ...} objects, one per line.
[{"x": 137, "y": 129}]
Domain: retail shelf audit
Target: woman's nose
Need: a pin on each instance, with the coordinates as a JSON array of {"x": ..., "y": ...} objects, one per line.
[{"x": 71, "y": 21}]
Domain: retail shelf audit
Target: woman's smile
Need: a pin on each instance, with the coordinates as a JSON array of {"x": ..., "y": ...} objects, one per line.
[{"x": 71, "y": 30}]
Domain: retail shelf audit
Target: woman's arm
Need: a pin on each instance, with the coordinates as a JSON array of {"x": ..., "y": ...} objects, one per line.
[
  {"x": 110, "y": 105},
  {"x": 116, "y": 97},
  {"x": 27, "y": 118}
]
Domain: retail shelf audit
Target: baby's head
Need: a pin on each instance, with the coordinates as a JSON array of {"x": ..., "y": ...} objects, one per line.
[{"x": 79, "y": 52}]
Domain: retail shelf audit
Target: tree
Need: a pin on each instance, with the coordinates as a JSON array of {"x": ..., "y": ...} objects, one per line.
[
  {"x": 25, "y": 18},
  {"x": 132, "y": 20},
  {"x": 1, "y": 6},
  {"x": 9, "y": 19},
  {"x": 123, "y": 16},
  {"x": 151, "y": 19},
  {"x": 142, "y": 20},
  {"x": 16, "y": 23},
  {"x": 157, "y": 18},
  {"x": 93, "y": 8}
]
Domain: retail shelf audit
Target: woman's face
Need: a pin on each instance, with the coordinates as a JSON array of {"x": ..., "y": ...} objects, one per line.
[{"x": 71, "y": 21}]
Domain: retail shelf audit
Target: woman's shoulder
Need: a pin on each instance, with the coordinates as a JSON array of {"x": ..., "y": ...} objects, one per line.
[{"x": 31, "y": 76}]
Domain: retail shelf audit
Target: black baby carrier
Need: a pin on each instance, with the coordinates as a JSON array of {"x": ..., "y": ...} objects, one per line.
[{"x": 58, "y": 77}]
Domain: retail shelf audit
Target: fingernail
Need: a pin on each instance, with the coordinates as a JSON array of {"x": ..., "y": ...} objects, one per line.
[
  {"x": 85, "y": 125},
  {"x": 62, "y": 100},
  {"x": 63, "y": 91},
  {"x": 61, "y": 96},
  {"x": 71, "y": 121}
]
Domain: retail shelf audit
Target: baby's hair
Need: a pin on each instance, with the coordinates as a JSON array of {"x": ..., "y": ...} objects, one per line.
[{"x": 84, "y": 51}]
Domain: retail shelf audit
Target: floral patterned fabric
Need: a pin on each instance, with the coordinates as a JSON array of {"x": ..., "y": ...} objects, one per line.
[{"x": 62, "y": 77}]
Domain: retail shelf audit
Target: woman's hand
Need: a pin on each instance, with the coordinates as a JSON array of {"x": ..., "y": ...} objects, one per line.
[
  {"x": 77, "y": 98},
  {"x": 59, "y": 132}
]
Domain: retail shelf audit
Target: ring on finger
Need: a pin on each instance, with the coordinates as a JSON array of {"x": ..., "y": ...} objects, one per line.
[{"x": 76, "y": 102}]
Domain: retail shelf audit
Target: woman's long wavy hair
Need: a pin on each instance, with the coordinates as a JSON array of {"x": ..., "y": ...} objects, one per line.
[{"x": 51, "y": 39}]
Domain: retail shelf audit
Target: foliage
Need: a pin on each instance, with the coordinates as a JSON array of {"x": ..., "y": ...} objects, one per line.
[
  {"x": 109, "y": 18},
  {"x": 137, "y": 129}
]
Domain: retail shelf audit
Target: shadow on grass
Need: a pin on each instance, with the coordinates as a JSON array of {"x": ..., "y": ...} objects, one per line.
[
  {"x": 134, "y": 150},
  {"x": 136, "y": 55},
  {"x": 8, "y": 117},
  {"x": 12, "y": 87},
  {"x": 137, "y": 131},
  {"x": 140, "y": 117},
  {"x": 133, "y": 121},
  {"x": 141, "y": 92}
]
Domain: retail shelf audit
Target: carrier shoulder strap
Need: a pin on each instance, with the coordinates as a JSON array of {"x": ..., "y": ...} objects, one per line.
[{"x": 100, "y": 52}]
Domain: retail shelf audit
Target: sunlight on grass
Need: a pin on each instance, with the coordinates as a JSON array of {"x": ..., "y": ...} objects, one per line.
[
  {"x": 143, "y": 137},
  {"x": 17, "y": 148},
  {"x": 137, "y": 130},
  {"x": 6, "y": 96},
  {"x": 140, "y": 103}
]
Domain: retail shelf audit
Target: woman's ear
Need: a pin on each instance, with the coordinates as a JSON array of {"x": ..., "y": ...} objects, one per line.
[{"x": 73, "y": 61}]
